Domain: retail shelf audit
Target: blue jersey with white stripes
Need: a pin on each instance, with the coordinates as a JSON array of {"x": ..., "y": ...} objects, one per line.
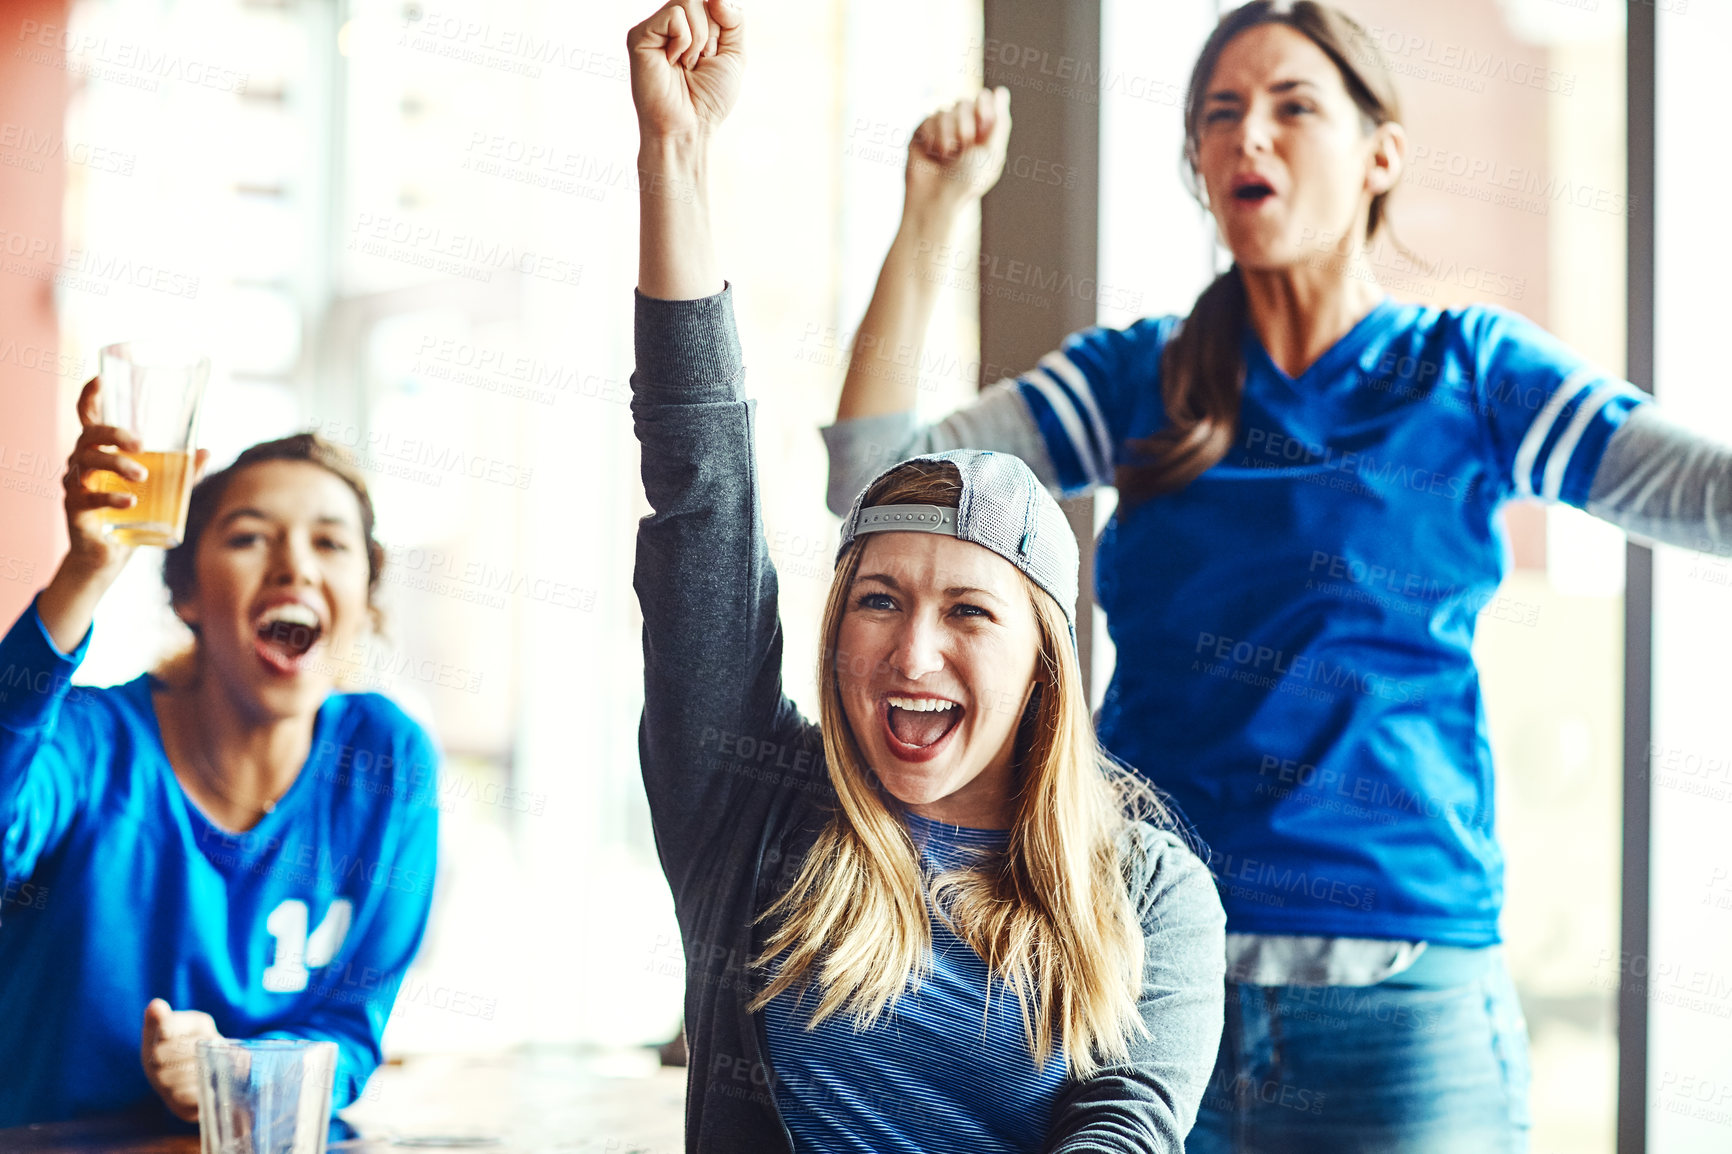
[
  {"x": 916, "y": 1082},
  {"x": 117, "y": 888},
  {"x": 1295, "y": 627}
]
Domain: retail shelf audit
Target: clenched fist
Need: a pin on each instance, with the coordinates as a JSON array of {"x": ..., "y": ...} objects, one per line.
[
  {"x": 687, "y": 62},
  {"x": 957, "y": 153},
  {"x": 167, "y": 1053}
]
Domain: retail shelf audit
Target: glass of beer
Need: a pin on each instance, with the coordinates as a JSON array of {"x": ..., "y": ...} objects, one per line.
[
  {"x": 264, "y": 1096},
  {"x": 155, "y": 390}
]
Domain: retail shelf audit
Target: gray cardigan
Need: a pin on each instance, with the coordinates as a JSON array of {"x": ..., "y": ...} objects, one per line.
[{"x": 738, "y": 789}]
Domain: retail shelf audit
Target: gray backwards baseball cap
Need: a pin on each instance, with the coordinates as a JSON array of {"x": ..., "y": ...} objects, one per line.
[{"x": 1002, "y": 508}]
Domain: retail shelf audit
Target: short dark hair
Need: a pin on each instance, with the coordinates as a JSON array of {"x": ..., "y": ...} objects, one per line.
[{"x": 179, "y": 571}]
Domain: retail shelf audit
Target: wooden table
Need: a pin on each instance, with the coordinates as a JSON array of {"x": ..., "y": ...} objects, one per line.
[{"x": 531, "y": 1102}]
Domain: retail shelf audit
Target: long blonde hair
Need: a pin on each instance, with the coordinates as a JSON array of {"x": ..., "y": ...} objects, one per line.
[{"x": 1053, "y": 922}]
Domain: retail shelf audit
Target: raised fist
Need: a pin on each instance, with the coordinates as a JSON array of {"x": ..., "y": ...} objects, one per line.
[
  {"x": 957, "y": 153},
  {"x": 687, "y": 62}
]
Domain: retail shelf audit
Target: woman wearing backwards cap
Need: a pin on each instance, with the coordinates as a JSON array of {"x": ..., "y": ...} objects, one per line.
[
  {"x": 1310, "y": 481},
  {"x": 925, "y": 923}
]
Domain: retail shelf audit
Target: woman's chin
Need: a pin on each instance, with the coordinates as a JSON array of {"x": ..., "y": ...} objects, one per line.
[
  {"x": 270, "y": 691},
  {"x": 911, "y": 786},
  {"x": 1262, "y": 255}
]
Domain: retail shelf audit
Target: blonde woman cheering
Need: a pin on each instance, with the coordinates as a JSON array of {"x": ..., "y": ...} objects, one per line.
[
  {"x": 924, "y": 924},
  {"x": 1310, "y": 482}
]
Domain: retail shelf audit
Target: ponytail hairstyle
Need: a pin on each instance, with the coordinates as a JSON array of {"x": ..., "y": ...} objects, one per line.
[{"x": 1202, "y": 373}]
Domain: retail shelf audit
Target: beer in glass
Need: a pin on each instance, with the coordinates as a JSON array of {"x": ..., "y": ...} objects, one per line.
[{"x": 154, "y": 390}]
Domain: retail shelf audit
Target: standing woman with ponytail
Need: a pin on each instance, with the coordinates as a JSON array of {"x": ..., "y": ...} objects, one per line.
[
  {"x": 1309, "y": 481},
  {"x": 927, "y": 923}
]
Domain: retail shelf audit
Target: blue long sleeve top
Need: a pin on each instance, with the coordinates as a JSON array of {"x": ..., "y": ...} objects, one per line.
[
  {"x": 116, "y": 889},
  {"x": 1295, "y": 626}
]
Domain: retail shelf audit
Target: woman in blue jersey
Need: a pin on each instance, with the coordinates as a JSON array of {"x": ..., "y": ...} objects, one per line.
[
  {"x": 925, "y": 924},
  {"x": 227, "y": 848},
  {"x": 1309, "y": 480}
]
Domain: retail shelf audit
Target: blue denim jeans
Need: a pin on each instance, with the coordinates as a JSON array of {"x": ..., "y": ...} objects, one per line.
[{"x": 1396, "y": 1067}]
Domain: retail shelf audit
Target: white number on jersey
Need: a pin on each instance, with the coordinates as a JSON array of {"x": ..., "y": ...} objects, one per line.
[{"x": 297, "y": 951}]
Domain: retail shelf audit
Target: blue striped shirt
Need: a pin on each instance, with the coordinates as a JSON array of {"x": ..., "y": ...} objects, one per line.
[
  {"x": 1295, "y": 627},
  {"x": 946, "y": 1070}
]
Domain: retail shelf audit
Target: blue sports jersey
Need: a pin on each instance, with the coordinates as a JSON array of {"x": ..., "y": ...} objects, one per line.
[
  {"x": 913, "y": 1083},
  {"x": 1295, "y": 627},
  {"x": 117, "y": 889}
]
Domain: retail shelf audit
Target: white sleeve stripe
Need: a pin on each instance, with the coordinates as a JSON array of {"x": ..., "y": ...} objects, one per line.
[
  {"x": 1558, "y": 460},
  {"x": 1072, "y": 421},
  {"x": 1537, "y": 432},
  {"x": 1066, "y": 369}
]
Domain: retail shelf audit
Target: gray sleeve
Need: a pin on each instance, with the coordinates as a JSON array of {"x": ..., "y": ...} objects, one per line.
[
  {"x": 712, "y": 637},
  {"x": 997, "y": 419},
  {"x": 1150, "y": 1102},
  {"x": 1663, "y": 482}
]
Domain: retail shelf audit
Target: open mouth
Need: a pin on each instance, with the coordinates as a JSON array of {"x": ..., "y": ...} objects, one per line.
[
  {"x": 285, "y": 635},
  {"x": 1253, "y": 192},
  {"x": 918, "y": 725}
]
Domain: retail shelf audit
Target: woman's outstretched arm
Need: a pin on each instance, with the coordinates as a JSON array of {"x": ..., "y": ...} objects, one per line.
[
  {"x": 1055, "y": 416},
  {"x": 1562, "y": 429},
  {"x": 1667, "y": 483},
  {"x": 719, "y": 743},
  {"x": 954, "y": 159},
  {"x": 687, "y": 61},
  {"x": 43, "y": 770}
]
